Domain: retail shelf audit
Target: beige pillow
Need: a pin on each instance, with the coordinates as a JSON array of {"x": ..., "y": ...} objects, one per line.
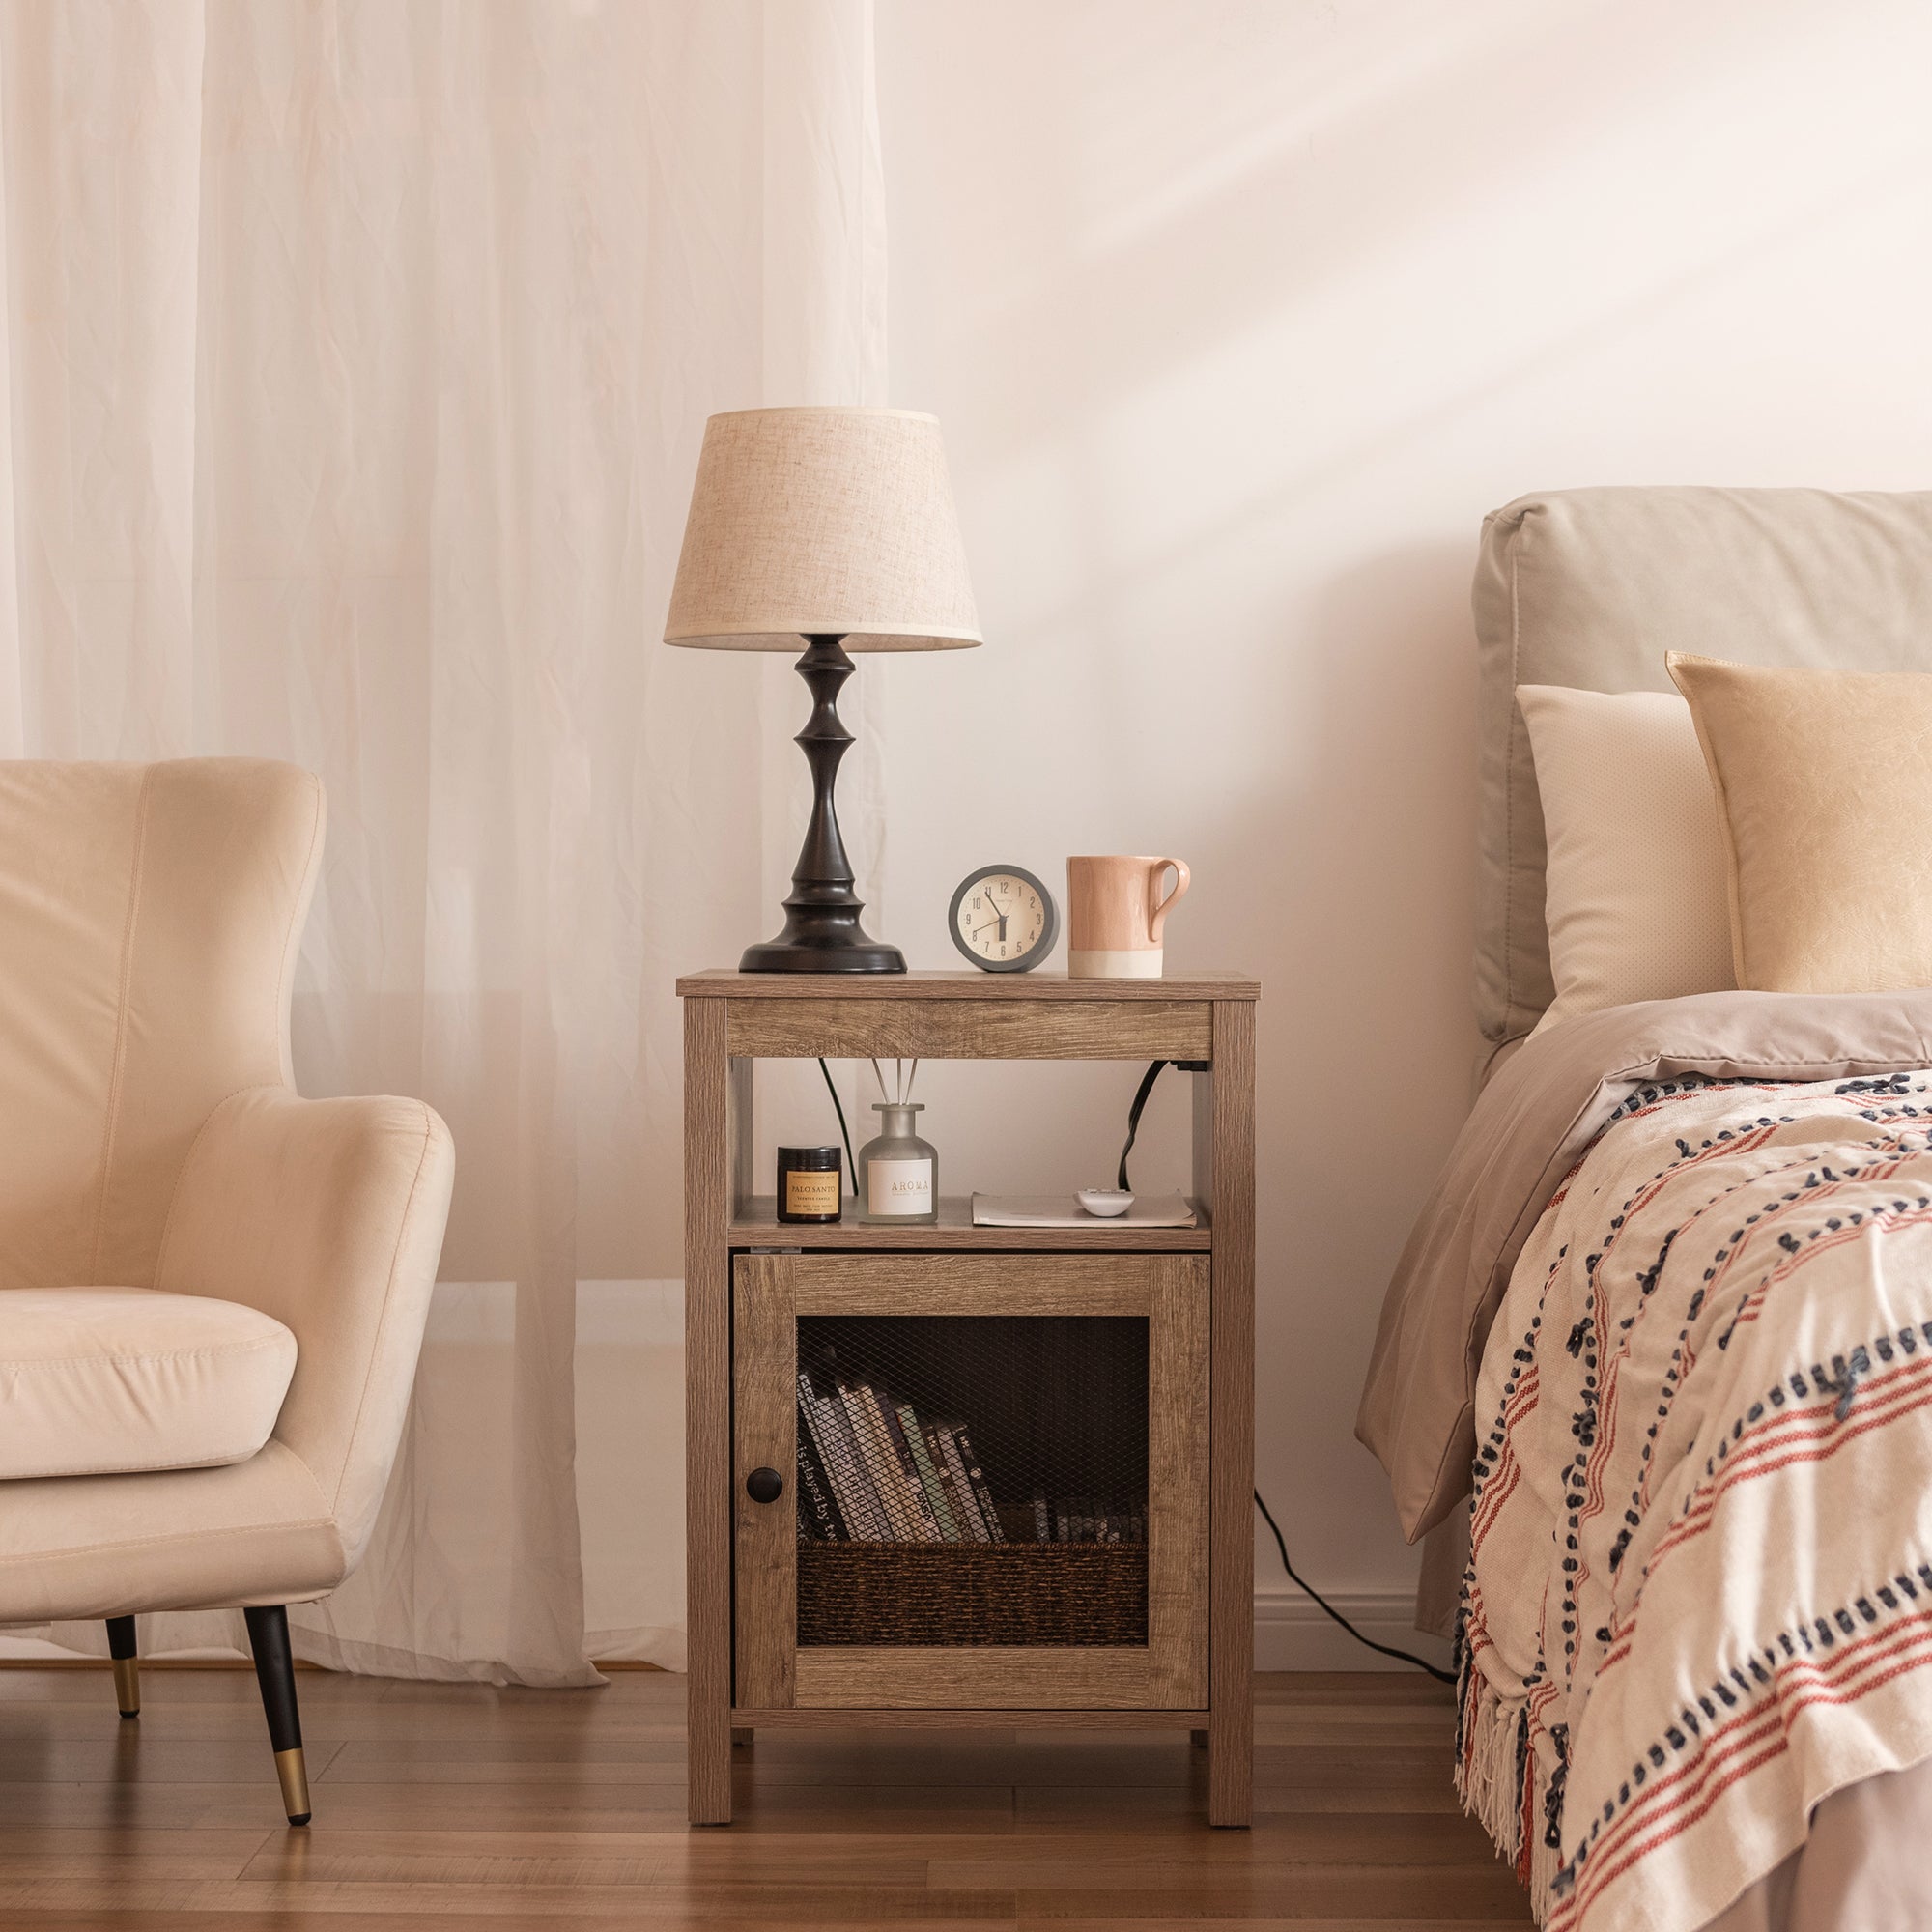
[
  {"x": 1824, "y": 784},
  {"x": 1633, "y": 883},
  {"x": 1636, "y": 872}
]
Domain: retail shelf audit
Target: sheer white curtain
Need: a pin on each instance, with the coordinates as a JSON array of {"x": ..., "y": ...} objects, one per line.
[{"x": 355, "y": 361}]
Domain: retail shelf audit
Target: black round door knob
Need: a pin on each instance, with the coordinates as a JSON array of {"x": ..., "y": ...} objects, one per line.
[{"x": 764, "y": 1485}]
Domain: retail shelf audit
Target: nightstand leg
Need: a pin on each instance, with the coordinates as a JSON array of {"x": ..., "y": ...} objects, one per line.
[
  {"x": 1198, "y": 1738},
  {"x": 1231, "y": 1768},
  {"x": 708, "y": 1762},
  {"x": 707, "y": 1367},
  {"x": 741, "y": 1734},
  {"x": 1230, "y": 1616}
]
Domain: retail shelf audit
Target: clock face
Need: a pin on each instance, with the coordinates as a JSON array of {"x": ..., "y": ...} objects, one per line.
[{"x": 1004, "y": 920}]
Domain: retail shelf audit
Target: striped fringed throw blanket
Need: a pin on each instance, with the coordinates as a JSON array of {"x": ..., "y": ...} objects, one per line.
[{"x": 1700, "y": 1592}]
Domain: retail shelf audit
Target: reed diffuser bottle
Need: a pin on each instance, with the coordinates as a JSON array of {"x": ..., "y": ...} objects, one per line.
[{"x": 898, "y": 1171}]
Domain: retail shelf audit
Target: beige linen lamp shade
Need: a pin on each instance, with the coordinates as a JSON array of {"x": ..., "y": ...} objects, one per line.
[
  {"x": 832, "y": 529},
  {"x": 822, "y": 523}
]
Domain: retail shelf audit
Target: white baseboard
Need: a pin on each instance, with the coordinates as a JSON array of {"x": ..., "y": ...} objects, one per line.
[
  {"x": 1289, "y": 1633},
  {"x": 1292, "y": 1633}
]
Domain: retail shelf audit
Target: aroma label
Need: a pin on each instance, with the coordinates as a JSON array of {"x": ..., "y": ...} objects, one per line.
[{"x": 898, "y": 1187}]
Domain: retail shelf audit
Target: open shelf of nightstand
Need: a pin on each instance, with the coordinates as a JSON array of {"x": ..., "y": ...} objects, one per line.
[{"x": 757, "y": 1225}]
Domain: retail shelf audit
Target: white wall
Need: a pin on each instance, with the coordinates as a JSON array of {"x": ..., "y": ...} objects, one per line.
[{"x": 1238, "y": 317}]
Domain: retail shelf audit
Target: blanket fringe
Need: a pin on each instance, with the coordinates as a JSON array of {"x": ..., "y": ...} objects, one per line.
[{"x": 1497, "y": 1778}]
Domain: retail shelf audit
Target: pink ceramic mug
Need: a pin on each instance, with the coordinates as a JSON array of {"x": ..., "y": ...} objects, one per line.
[{"x": 1115, "y": 913}]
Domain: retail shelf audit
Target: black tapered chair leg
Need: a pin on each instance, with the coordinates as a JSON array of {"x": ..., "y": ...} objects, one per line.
[
  {"x": 275, "y": 1672},
  {"x": 121, "y": 1647}
]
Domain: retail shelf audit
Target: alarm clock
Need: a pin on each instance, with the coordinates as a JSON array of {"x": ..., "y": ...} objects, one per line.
[{"x": 1003, "y": 919}]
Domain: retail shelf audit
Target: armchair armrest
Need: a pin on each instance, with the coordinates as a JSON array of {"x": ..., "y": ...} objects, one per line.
[{"x": 329, "y": 1216}]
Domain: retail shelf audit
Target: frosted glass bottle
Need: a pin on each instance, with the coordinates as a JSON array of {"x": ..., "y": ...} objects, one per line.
[{"x": 899, "y": 1172}]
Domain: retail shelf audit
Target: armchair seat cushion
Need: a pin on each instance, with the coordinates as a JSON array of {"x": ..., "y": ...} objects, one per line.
[{"x": 119, "y": 1380}]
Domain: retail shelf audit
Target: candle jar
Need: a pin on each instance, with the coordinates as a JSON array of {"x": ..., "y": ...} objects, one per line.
[
  {"x": 899, "y": 1172},
  {"x": 808, "y": 1179}
]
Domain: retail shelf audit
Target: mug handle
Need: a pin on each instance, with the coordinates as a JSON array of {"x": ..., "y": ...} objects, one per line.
[{"x": 1165, "y": 905}]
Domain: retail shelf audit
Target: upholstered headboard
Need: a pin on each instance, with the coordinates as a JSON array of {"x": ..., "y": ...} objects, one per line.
[{"x": 1590, "y": 587}]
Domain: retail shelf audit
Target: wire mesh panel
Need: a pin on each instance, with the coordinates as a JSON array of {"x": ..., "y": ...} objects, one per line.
[{"x": 972, "y": 1480}]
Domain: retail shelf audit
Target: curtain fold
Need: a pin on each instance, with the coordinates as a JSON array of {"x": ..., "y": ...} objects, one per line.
[{"x": 356, "y": 360}]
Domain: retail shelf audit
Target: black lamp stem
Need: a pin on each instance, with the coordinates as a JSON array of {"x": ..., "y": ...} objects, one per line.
[{"x": 822, "y": 933}]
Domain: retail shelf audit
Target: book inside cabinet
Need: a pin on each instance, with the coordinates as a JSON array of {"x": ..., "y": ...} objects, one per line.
[{"x": 991, "y": 1481}]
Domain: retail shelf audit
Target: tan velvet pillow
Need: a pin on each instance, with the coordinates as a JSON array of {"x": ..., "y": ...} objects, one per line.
[{"x": 1824, "y": 782}]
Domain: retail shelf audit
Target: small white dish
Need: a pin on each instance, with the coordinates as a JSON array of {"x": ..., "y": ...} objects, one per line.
[{"x": 1108, "y": 1203}]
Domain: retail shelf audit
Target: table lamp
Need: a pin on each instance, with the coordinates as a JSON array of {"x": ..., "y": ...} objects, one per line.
[{"x": 833, "y": 525}]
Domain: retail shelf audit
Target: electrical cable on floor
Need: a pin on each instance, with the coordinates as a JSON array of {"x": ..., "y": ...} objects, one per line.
[
  {"x": 1140, "y": 1101},
  {"x": 1387, "y": 1649}
]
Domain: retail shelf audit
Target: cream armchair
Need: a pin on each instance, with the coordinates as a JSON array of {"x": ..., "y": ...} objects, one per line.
[{"x": 212, "y": 1290}]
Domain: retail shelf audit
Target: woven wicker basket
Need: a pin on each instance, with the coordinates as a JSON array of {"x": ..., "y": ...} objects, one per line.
[{"x": 973, "y": 1595}]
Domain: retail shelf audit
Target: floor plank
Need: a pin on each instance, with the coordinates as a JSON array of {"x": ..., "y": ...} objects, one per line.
[{"x": 458, "y": 1806}]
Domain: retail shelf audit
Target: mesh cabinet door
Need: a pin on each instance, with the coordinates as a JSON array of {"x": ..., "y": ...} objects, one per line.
[{"x": 970, "y": 1482}]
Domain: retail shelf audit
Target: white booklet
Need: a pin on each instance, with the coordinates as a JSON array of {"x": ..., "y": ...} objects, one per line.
[{"x": 1064, "y": 1210}]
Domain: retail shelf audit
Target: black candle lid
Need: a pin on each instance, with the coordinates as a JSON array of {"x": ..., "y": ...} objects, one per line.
[{"x": 808, "y": 1159}]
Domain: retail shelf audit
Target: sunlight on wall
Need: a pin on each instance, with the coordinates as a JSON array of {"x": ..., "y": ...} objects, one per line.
[{"x": 1239, "y": 316}]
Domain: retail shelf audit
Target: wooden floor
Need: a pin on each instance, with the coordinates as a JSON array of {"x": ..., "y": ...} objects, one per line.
[{"x": 459, "y": 1805}]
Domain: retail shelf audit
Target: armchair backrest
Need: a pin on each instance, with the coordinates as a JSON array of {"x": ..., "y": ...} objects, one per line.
[{"x": 149, "y": 921}]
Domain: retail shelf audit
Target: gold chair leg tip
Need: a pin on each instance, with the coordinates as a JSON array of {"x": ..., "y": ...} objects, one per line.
[
  {"x": 294, "y": 1775},
  {"x": 128, "y": 1685}
]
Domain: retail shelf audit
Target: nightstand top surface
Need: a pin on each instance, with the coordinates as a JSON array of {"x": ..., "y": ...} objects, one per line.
[{"x": 725, "y": 982}]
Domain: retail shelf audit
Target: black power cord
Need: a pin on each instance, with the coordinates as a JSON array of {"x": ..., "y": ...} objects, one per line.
[
  {"x": 1140, "y": 1101},
  {"x": 844, "y": 1132},
  {"x": 1387, "y": 1649},
  {"x": 1280, "y": 1541}
]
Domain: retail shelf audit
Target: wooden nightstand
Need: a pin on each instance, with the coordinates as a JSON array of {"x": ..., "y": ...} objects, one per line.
[{"x": 1146, "y": 1336}]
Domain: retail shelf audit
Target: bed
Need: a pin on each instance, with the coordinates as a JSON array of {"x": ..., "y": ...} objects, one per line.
[{"x": 1660, "y": 1347}]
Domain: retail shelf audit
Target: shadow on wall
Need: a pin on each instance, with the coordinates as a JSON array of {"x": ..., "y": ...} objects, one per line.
[{"x": 1435, "y": 200}]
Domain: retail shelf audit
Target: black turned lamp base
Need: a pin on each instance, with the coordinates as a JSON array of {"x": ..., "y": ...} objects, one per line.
[
  {"x": 822, "y": 933},
  {"x": 803, "y": 955}
]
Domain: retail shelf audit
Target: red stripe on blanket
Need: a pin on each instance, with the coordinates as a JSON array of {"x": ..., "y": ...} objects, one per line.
[
  {"x": 1882, "y": 1397},
  {"x": 1790, "y": 1425},
  {"x": 1869, "y": 1176},
  {"x": 1607, "y": 1434},
  {"x": 1657, "y": 1811},
  {"x": 1524, "y": 1402},
  {"x": 1611, "y": 1364},
  {"x": 1689, "y": 1357},
  {"x": 1880, "y": 1218},
  {"x": 1821, "y": 1437},
  {"x": 1650, "y": 1189},
  {"x": 1521, "y": 1405},
  {"x": 1494, "y": 1496},
  {"x": 1767, "y": 1742},
  {"x": 1797, "y": 1432}
]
